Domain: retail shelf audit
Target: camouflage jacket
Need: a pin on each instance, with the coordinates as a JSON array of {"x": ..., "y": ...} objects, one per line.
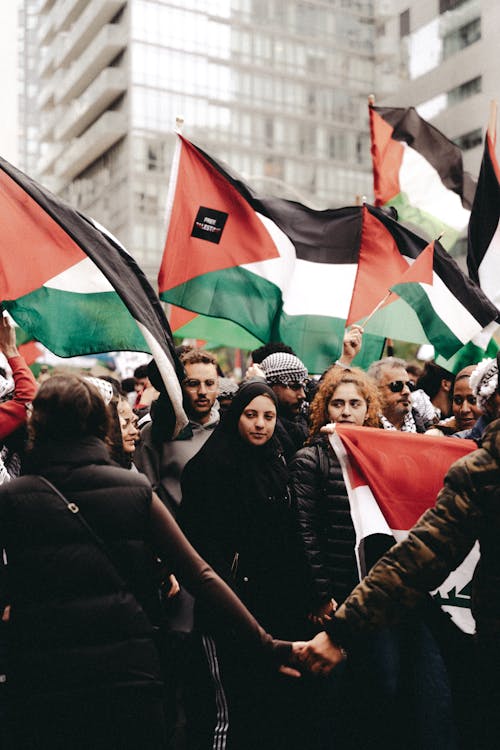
[{"x": 467, "y": 509}]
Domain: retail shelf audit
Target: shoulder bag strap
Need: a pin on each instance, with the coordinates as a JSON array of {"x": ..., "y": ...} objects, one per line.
[{"x": 73, "y": 508}]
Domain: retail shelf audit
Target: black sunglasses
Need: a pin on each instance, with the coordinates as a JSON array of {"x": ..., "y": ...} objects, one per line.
[{"x": 396, "y": 386}]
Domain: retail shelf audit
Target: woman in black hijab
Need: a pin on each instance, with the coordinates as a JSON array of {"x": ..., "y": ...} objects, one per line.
[{"x": 236, "y": 510}]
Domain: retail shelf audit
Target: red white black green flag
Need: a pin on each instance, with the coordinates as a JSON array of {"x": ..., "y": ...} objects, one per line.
[{"x": 286, "y": 272}]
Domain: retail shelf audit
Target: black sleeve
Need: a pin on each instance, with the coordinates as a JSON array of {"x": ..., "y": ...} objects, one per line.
[{"x": 229, "y": 614}]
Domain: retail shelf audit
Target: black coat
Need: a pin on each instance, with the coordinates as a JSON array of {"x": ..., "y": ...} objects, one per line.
[
  {"x": 326, "y": 527},
  {"x": 74, "y": 625}
]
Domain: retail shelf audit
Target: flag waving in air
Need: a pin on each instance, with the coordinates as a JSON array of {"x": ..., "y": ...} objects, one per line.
[
  {"x": 392, "y": 478},
  {"x": 420, "y": 172},
  {"x": 285, "y": 272},
  {"x": 483, "y": 255},
  {"x": 72, "y": 286}
]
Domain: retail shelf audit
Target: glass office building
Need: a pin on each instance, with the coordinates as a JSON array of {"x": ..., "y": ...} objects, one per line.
[{"x": 276, "y": 88}]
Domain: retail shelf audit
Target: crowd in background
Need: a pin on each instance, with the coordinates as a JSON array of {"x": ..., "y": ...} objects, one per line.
[{"x": 123, "y": 627}]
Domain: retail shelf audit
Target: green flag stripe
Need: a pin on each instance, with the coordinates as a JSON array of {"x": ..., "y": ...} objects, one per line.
[
  {"x": 436, "y": 330},
  {"x": 69, "y": 324}
]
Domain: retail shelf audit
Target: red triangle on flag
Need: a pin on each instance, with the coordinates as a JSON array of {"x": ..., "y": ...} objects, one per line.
[
  {"x": 420, "y": 271},
  {"x": 387, "y": 156},
  {"x": 380, "y": 264},
  {"x": 212, "y": 226}
]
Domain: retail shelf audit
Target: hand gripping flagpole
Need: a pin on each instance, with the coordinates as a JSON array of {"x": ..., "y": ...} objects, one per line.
[{"x": 384, "y": 300}]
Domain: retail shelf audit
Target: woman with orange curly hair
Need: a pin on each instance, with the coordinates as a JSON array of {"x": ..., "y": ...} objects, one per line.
[
  {"x": 322, "y": 504},
  {"x": 328, "y": 540}
]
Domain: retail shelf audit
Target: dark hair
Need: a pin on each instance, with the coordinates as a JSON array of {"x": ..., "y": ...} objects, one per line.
[
  {"x": 141, "y": 371},
  {"x": 68, "y": 407},
  {"x": 430, "y": 380},
  {"x": 128, "y": 385},
  {"x": 272, "y": 348}
]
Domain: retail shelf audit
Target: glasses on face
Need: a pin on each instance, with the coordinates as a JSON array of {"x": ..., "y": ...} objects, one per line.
[
  {"x": 458, "y": 400},
  {"x": 194, "y": 385},
  {"x": 396, "y": 386}
]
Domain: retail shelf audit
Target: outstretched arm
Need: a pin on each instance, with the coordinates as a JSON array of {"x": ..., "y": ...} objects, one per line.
[{"x": 229, "y": 614}]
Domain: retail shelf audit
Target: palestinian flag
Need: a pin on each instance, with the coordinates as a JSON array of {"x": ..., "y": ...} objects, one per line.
[
  {"x": 213, "y": 332},
  {"x": 28, "y": 348},
  {"x": 70, "y": 285},
  {"x": 285, "y": 272},
  {"x": 483, "y": 255},
  {"x": 392, "y": 478},
  {"x": 419, "y": 172}
]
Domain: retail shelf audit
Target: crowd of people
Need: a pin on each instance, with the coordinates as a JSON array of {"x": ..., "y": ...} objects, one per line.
[{"x": 193, "y": 592}]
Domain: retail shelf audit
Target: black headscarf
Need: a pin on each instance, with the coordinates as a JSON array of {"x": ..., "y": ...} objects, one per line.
[{"x": 258, "y": 471}]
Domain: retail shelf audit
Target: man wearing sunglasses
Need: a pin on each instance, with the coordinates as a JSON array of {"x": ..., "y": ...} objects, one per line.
[{"x": 395, "y": 386}]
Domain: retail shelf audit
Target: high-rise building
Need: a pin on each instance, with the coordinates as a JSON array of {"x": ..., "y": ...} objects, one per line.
[
  {"x": 276, "y": 88},
  {"x": 446, "y": 58}
]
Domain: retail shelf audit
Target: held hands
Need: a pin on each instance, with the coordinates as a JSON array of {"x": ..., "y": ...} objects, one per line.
[{"x": 318, "y": 656}]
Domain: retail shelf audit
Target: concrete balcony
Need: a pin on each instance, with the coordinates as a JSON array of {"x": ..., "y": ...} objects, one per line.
[
  {"x": 46, "y": 30},
  {"x": 110, "y": 83},
  {"x": 94, "y": 17},
  {"x": 47, "y": 59},
  {"x": 111, "y": 40},
  {"x": 47, "y": 161},
  {"x": 108, "y": 129},
  {"x": 46, "y": 95},
  {"x": 48, "y": 120},
  {"x": 67, "y": 11},
  {"x": 45, "y": 5}
]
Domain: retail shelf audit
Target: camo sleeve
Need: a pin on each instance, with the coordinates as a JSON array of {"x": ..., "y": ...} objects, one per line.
[{"x": 435, "y": 546}]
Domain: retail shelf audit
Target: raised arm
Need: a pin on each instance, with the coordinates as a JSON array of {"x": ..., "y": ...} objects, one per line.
[{"x": 13, "y": 412}]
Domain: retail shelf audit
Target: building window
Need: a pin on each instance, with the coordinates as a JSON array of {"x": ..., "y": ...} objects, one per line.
[
  {"x": 445, "y": 5},
  {"x": 465, "y": 90},
  {"x": 404, "y": 23},
  {"x": 469, "y": 140},
  {"x": 462, "y": 37}
]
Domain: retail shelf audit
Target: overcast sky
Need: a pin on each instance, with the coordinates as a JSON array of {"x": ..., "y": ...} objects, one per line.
[{"x": 8, "y": 76}]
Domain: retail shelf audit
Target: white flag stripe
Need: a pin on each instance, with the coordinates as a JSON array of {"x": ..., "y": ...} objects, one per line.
[
  {"x": 424, "y": 188},
  {"x": 82, "y": 278},
  {"x": 367, "y": 521}
]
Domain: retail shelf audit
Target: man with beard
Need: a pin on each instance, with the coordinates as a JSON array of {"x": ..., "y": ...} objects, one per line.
[
  {"x": 394, "y": 385},
  {"x": 163, "y": 462},
  {"x": 287, "y": 376}
]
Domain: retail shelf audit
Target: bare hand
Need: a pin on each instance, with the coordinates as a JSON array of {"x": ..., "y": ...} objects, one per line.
[
  {"x": 8, "y": 338},
  {"x": 351, "y": 344},
  {"x": 174, "y": 587},
  {"x": 319, "y": 655},
  {"x": 323, "y": 613},
  {"x": 328, "y": 429},
  {"x": 255, "y": 371}
]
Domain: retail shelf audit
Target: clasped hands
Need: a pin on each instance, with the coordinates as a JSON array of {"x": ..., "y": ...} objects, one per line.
[{"x": 319, "y": 656}]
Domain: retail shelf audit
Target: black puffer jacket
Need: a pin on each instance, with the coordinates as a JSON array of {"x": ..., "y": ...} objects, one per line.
[
  {"x": 327, "y": 532},
  {"x": 74, "y": 625}
]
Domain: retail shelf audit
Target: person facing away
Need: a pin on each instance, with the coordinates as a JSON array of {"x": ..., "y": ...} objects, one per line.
[{"x": 83, "y": 667}]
